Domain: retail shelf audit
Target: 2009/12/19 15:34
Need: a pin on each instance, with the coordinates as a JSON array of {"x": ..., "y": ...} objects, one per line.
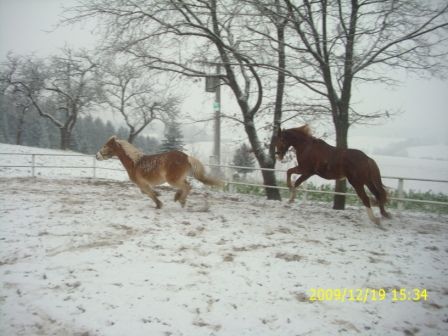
[{"x": 368, "y": 294}]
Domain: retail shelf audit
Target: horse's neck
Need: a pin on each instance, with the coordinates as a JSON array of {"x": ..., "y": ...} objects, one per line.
[
  {"x": 125, "y": 159},
  {"x": 300, "y": 142}
]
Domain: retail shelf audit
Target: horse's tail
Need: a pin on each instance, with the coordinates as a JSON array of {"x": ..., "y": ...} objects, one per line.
[
  {"x": 198, "y": 170},
  {"x": 375, "y": 181}
]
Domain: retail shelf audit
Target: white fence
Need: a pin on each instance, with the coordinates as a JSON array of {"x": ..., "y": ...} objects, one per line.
[{"x": 88, "y": 162}]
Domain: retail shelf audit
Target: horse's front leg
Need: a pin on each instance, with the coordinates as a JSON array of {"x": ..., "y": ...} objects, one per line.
[
  {"x": 146, "y": 189},
  {"x": 289, "y": 172},
  {"x": 299, "y": 181}
]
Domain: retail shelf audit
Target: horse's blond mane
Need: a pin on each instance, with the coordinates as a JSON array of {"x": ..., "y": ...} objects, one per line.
[
  {"x": 133, "y": 152},
  {"x": 305, "y": 129}
]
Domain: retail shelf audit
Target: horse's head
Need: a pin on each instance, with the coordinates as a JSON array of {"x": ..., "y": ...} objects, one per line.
[
  {"x": 108, "y": 150},
  {"x": 281, "y": 144}
]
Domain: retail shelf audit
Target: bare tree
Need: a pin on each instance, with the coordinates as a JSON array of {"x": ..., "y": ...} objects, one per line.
[
  {"x": 336, "y": 44},
  {"x": 193, "y": 33},
  {"x": 59, "y": 89},
  {"x": 23, "y": 106},
  {"x": 15, "y": 93},
  {"x": 326, "y": 46},
  {"x": 139, "y": 97}
]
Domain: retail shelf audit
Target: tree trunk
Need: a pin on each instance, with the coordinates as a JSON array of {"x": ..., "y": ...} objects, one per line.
[
  {"x": 131, "y": 137},
  {"x": 65, "y": 138},
  {"x": 19, "y": 132},
  {"x": 263, "y": 160},
  {"x": 270, "y": 179},
  {"x": 339, "y": 200},
  {"x": 341, "y": 185},
  {"x": 20, "y": 125}
]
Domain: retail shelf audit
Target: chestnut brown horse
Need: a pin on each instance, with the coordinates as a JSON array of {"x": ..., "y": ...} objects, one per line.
[
  {"x": 316, "y": 157},
  {"x": 147, "y": 171}
]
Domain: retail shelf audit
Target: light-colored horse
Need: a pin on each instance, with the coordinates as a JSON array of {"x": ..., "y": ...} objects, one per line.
[{"x": 147, "y": 171}]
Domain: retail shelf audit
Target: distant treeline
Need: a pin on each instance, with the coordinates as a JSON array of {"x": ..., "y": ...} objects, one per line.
[{"x": 88, "y": 136}]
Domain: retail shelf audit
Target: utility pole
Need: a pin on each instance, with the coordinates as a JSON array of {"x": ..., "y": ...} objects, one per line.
[
  {"x": 217, "y": 109},
  {"x": 213, "y": 84}
]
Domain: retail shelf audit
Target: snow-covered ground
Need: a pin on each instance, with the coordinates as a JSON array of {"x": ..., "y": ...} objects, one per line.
[{"x": 81, "y": 256}]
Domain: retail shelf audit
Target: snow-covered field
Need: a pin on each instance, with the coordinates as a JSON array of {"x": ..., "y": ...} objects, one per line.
[{"x": 81, "y": 256}]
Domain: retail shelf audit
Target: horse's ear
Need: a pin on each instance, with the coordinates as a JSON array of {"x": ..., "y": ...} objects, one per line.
[{"x": 113, "y": 138}]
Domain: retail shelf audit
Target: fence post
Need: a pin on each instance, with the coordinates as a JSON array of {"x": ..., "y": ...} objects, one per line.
[
  {"x": 400, "y": 193},
  {"x": 33, "y": 165},
  {"x": 94, "y": 166}
]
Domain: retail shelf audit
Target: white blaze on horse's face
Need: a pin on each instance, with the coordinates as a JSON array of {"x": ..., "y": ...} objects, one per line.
[
  {"x": 280, "y": 156},
  {"x": 280, "y": 146},
  {"x": 99, "y": 156},
  {"x": 281, "y": 149}
]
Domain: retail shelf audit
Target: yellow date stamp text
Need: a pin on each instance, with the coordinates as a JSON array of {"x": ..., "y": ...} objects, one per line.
[{"x": 368, "y": 294}]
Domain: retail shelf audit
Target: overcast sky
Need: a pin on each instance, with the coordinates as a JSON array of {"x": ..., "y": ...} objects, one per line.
[{"x": 28, "y": 26}]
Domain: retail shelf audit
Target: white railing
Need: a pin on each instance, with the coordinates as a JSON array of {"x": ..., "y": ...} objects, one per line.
[{"x": 33, "y": 165}]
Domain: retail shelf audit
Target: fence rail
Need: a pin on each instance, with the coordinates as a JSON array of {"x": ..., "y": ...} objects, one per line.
[
  {"x": 400, "y": 187},
  {"x": 94, "y": 167}
]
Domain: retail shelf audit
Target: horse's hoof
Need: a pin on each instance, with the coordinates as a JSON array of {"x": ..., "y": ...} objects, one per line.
[
  {"x": 177, "y": 195},
  {"x": 159, "y": 205},
  {"x": 291, "y": 201},
  {"x": 386, "y": 215}
]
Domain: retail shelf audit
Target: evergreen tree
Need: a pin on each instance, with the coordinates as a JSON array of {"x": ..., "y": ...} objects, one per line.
[
  {"x": 4, "y": 121},
  {"x": 88, "y": 135},
  {"x": 122, "y": 133},
  {"x": 110, "y": 129},
  {"x": 3, "y": 127},
  {"x": 173, "y": 138},
  {"x": 33, "y": 130},
  {"x": 149, "y": 145},
  {"x": 243, "y": 157}
]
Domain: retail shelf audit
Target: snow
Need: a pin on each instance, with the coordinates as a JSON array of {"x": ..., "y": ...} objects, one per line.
[{"x": 92, "y": 256}]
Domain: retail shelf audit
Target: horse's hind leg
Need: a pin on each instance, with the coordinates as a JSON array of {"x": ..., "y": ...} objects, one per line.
[
  {"x": 365, "y": 200},
  {"x": 146, "y": 189},
  {"x": 383, "y": 211},
  {"x": 378, "y": 197},
  {"x": 177, "y": 195},
  {"x": 182, "y": 193}
]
